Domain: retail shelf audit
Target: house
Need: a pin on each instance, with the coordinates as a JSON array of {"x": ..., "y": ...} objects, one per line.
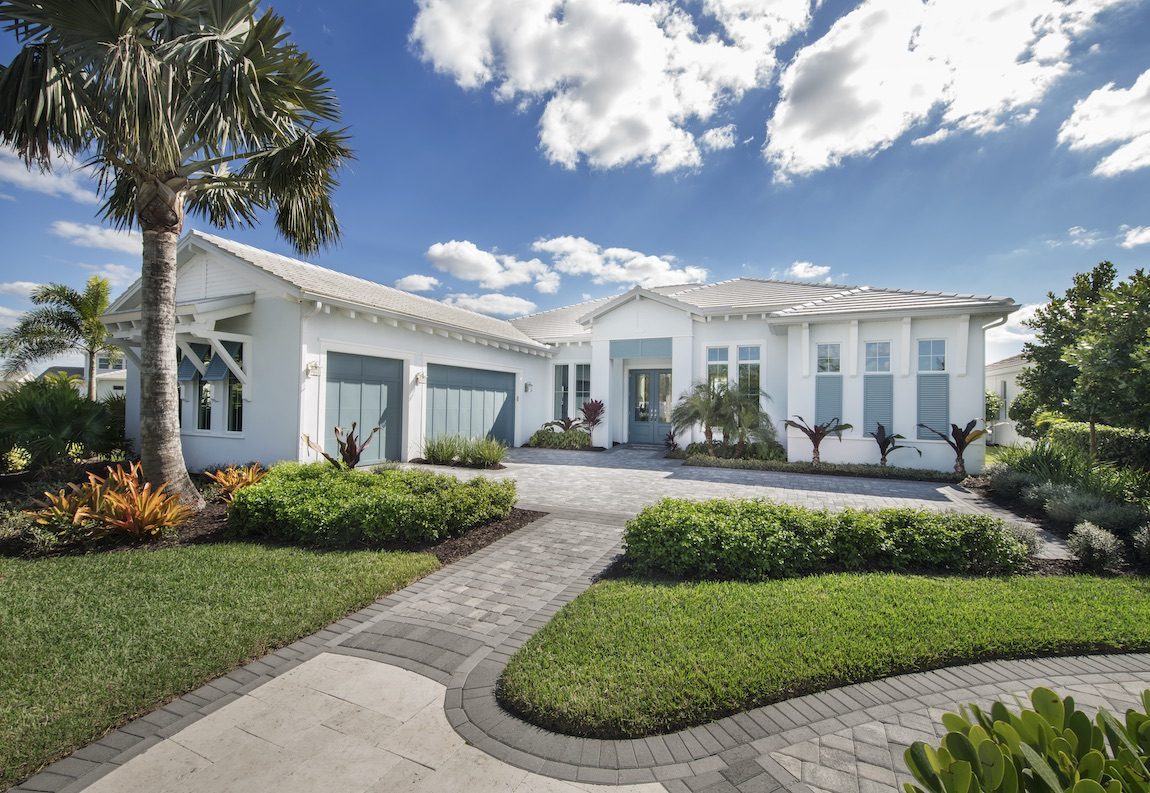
[
  {"x": 1002, "y": 379},
  {"x": 273, "y": 349},
  {"x": 110, "y": 376}
]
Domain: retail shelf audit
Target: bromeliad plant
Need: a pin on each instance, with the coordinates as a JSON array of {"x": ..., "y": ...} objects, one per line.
[
  {"x": 959, "y": 439},
  {"x": 234, "y": 477},
  {"x": 817, "y": 433},
  {"x": 351, "y": 447},
  {"x": 1051, "y": 749},
  {"x": 888, "y": 443},
  {"x": 565, "y": 424}
]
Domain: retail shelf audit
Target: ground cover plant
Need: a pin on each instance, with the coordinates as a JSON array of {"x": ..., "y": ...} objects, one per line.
[
  {"x": 318, "y": 504},
  {"x": 464, "y": 452},
  {"x": 755, "y": 540},
  {"x": 91, "y": 641},
  {"x": 828, "y": 469},
  {"x": 631, "y": 658},
  {"x": 554, "y": 438}
]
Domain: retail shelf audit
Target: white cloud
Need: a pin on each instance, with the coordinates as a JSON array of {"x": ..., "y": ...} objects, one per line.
[
  {"x": 88, "y": 235},
  {"x": 9, "y": 316},
  {"x": 492, "y": 303},
  {"x": 118, "y": 275},
  {"x": 580, "y": 256},
  {"x": 66, "y": 180},
  {"x": 417, "y": 283},
  {"x": 892, "y": 65},
  {"x": 19, "y": 288},
  {"x": 718, "y": 138},
  {"x": 807, "y": 271},
  {"x": 466, "y": 261},
  {"x": 1079, "y": 237},
  {"x": 6, "y": 197},
  {"x": 1113, "y": 116},
  {"x": 1138, "y": 235},
  {"x": 619, "y": 82},
  {"x": 1007, "y": 340}
]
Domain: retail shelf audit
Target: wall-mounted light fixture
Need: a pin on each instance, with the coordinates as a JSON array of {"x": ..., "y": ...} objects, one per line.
[
  {"x": 421, "y": 378},
  {"x": 528, "y": 387},
  {"x": 313, "y": 369}
]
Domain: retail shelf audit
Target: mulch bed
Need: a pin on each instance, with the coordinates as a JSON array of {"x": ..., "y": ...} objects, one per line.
[
  {"x": 496, "y": 467},
  {"x": 455, "y": 548}
]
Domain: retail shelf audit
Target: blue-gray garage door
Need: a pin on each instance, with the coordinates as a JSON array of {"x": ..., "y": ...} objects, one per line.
[
  {"x": 368, "y": 391},
  {"x": 473, "y": 403}
]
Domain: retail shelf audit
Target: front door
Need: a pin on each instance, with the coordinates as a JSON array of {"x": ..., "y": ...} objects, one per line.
[{"x": 649, "y": 418}]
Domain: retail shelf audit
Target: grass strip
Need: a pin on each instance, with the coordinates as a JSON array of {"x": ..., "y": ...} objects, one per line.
[
  {"x": 630, "y": 658},
  {"x": 91, "y": 641}
]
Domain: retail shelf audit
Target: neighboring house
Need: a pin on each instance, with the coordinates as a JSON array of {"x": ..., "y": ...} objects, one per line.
[
  {"x": 71, "y": 371},
  {"x": 111, "y": 377},
  {"x": 8, "y": 383},
  {"x": 1002, "y": 379},
  {"x": 272, "y": 349}
]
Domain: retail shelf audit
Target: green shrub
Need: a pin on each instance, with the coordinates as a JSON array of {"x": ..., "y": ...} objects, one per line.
[
  {"x": 319, "y": 505},
  {"x": 1121, "y": 519},
  {"x": 1037, "y": 496},
  {"x": 1053, "y": 748},
  {"x": 1141, "y": 544},
  {"x": 556, "y": 439},
  {"x": 755, "y": 540},
  {"x": 16, "y": 460},
  {"x": 52, "y": 421},
  {"x": 828, "y": 469},
  {"x": 444, "y": 450},
  {"x": 1119, "y": 445},
  {"x": 468, "y": 452},
  {"x": 484, "y": 453},
  {"x": 1069, "y": 506},
  {"x": 1051, "y": 462},
  {"x": 1098, "y": 550},
  {"x": 1025, "y": 533},
  {"x": 1007, "y": 482}
]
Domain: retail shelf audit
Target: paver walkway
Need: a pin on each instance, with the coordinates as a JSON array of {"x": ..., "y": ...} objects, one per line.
[{"x": 400, "y": 696}]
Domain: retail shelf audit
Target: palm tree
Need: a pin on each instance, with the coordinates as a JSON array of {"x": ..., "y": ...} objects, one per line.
[
  {"x": 64, "y": 320},
  {"x": 817, "y": 433},
  {"x": 745, "y": 419},
  {"x": 702, "y": 403},
  {"x": 200, "y": 106}
]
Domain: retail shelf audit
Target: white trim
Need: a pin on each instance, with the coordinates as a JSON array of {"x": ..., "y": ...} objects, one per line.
[
  {"x": 962, "y": 344},
  {"x": 904, "y": 368}
]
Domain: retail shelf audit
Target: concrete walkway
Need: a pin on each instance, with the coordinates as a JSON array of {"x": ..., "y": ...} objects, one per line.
[{"x": 400, "y": 696}]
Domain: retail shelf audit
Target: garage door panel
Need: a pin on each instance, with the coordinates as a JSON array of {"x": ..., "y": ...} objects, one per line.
[
  {"x": 368, "y": 391},
  {"x": 470, "y": 402}
]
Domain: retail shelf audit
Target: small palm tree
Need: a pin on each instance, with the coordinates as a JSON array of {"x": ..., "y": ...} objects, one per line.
[
  {"x": 888, "y": 443},
  {"x": 959, "y": 439},
  {"x": 702, "y": 404},
  {"x": 817, "y": 433},
  {"x": 180, "y": 106},
  {"x": 63, "y": 320},
  {"x": 745, "y": 419}
]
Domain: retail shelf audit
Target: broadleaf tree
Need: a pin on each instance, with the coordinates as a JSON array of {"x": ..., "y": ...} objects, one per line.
[{"x": 201, "y": 107}]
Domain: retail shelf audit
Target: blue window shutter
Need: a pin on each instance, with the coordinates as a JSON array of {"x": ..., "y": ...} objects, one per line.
[
  {"x": 828, "y": 398},
  {"x": 216, "y": 370},
  {"x": 187, "y": 370},
  {"x": 933, "y": 404},
  {"x": 878, "y": 402}
]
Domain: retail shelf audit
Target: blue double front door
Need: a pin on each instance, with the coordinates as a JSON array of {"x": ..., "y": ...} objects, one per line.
[{"x": 649, "y": 400}]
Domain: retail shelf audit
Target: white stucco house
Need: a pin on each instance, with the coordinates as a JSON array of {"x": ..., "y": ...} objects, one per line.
[
  {"x": 1002, "y": 379},
  {"x": 272, "y": 349}
]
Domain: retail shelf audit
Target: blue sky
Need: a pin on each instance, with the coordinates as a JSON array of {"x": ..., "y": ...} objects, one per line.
[{"x": 526, "y": 157}]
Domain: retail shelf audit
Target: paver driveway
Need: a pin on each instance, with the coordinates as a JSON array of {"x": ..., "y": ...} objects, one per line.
[{"x": 399, "y": 697}]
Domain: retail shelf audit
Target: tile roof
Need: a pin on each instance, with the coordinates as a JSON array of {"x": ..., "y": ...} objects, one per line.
[
  {"x": 558, "y": 323},
  {"x": 1006, "y": 363},
  {"x": 322, "y": 282},
  {"x": 863, "y": 299}
]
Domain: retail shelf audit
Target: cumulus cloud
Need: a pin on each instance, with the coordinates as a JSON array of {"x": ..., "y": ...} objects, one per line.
[
  {"x": 88, "y": 235},
  {"x": 417, "y": 283},
  {"x": 718, "y": 138},
  {"x": 1007, "y": 339},
  {"x": 806, "y": 271},
  {"x": 1079, "y": 237},
  {"x": 466, "y": 261},
  {"x": 890, "y": 66},
  {"x": 580, "y": 256},
  {"x": 619, "y": 82},
  {"x": 9, "y": 316},
  {"x": 492, "y": 303},
  {"x": 118, "y": 275},
  {"x": 1113, "y": 117},
  {"x": 18, "y": 288},
  {"x": 66, "y": 180},
  {"x": 1135, "y": 236}
]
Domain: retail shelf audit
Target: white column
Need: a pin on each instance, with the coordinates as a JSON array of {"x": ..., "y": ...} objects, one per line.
[
  {"x": 416, "y": 411},
  {"x": 682, "y": 373},
  {"x": 963, "y": 344},
  {"x": 601, "y": 389}
]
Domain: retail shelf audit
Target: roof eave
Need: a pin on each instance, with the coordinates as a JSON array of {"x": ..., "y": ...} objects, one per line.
[{"x": 785, "y": 318}]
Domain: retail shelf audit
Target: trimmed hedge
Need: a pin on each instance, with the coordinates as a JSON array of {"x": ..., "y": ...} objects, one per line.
[
  {"x": 320, "y": 506},
  {"x": 829, "y": 469},
  {"x": 557, "y": 439},
  {"x": 757, "y": 540},
  {"x": 1118, "y": 445}
]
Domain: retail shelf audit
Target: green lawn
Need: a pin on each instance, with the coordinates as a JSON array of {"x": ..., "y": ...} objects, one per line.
[
  {"x": 632, "y": 658},
  {"x": 90, "y": 641}
]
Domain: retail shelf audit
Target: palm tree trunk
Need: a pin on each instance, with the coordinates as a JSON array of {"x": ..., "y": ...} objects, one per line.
[
  {"x": 960, "y": 466},
  {"x": 92, "y": 375},
  {"x": 815, "y": 453},
  {"x": 160, "y": 450}
]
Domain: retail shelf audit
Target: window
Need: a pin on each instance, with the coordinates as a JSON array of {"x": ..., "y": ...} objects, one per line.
[
  {"x": 717, "y": 369},
  {"x": 828, "y": 359},
  {"x": 561, "y": 402},
  {"x": 203, "y": 404},
  {"x": 932, "y": 355},
  {"x": 749, "y": 362},
  {"x": 877, "y": 357},
  {"x": 235, "y": 389},
  {"x": 582, "y": 384}
]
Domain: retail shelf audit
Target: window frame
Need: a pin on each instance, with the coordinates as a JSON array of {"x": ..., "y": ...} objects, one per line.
[
  {"x": 838, "y": 356},
  {"x": 579, "y": 402},
  {"x": 724, "y": 363},
  {"x": 756, "y": 362},
  {"x": 561, "y": 390},
  {"x": 889, "y": 357},
  {"x": 932, "y": 354}
]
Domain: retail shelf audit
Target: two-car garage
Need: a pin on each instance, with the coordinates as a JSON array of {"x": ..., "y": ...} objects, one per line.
[{"x": 459, "y": 400}]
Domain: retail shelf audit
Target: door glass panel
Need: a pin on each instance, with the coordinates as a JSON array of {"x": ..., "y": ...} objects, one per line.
[
  {"x": 642, "y": 396},
  {"x": 665, "y": 397}
]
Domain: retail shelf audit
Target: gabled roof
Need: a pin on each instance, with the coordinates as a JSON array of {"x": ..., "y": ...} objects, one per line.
[
  {"x": 865, "y": 299},
  {"x": 757, "y": 294},
  {"x": 635, "y": 293},
  {"x": 558, "y": 324},
  {"x": 321, "y": 282},
  {"x": 1008, "y": 363}
]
